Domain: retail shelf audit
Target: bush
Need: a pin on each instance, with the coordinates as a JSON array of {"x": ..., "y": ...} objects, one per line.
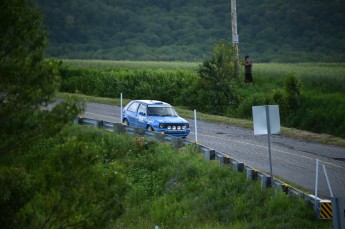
[
  {"x": 165, "y": 85},
  {"x": 67, "y": 181},
  {"x": 257, "y": 99},
  {"x": 293, "y": 86}
]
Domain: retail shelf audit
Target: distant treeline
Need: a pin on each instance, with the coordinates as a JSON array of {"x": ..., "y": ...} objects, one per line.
[{"x": 269, "y": 31}]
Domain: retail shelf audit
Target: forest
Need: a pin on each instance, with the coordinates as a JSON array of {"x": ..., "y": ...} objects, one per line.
[{"x": 186, "y": 30}]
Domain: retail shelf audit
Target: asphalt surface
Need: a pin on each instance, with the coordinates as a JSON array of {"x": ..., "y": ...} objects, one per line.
[{"x": 293, "y": 160}]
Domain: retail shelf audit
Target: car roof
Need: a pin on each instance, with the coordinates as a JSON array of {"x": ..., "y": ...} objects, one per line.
[{"x": 154, "y": 102}]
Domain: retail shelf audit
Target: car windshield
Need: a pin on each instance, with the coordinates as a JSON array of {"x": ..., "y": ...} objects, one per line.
[{"x": 161, "y": 111}]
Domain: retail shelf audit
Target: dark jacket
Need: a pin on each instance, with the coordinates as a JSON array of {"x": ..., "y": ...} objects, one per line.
[{"x": 248, "y": 66}]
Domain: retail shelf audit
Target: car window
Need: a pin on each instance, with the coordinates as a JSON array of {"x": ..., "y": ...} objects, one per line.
[
  {"x": 142, "y": 108},
  {"x": 133, "y": 107},
  {"x": 161, "y": 111}
]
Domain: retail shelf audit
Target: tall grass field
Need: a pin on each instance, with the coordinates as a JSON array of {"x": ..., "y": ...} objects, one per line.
[{"x": 322, "y": 100}]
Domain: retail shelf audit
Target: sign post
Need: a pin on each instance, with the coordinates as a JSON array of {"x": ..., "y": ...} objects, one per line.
[
  {"x": 121, "y": 108},
  {"x": 196, "y": 128},
  {"x": 316, "y": 184},
  {"x": 266, "y": 120}
]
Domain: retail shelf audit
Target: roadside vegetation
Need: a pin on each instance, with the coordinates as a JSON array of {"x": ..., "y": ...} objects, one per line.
[
  {"x": 91, "y": 178},
  {"x": 310, "y": 96}
]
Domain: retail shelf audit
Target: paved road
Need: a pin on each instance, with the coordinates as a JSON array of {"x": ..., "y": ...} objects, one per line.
[{"x": 293, "y": 160}]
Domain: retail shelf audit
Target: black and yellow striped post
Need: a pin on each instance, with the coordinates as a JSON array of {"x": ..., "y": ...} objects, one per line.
[{"x": 325, "y": 209}]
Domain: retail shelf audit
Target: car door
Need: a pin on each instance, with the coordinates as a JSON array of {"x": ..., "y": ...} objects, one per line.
[
  {"x": 131, "y": 113},
  {"x": 142, "y": 116}
]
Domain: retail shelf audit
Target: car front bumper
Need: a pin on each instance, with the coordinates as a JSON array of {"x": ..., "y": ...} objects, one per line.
[{"x": 175, "y": 133}]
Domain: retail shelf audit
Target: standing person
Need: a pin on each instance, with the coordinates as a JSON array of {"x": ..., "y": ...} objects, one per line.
[{"x": 248, "y": 70}]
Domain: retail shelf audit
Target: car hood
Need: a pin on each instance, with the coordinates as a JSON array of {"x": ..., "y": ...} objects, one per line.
[{"x": 168, "y": 119}]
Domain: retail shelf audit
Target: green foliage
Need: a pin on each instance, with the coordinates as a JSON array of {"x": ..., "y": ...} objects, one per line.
[
  {"x": 244, "y": 110},
  {"x": 293, "y": 86},
  {"x": 66, "y": 181},
  {"x": 218, "y": 79},
  {"x": 294, "y": 31},
  {"x": 28, "y": 82},
  {"x": 288, "y": 98},
  {"x": 15, "y": 193},
  {"x": 167, "y": 85},
  {"x": 182, "y": 190},
  {"x": 89, "y": 178},
  {"x": 314, "y": 113},
  {"x": 322, "y": 84}
]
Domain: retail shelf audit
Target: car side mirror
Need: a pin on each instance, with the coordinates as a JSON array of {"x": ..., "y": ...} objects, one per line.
[{"x": 142, "y": 113}]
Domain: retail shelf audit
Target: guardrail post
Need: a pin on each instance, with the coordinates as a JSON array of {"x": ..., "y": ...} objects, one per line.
[
  {"x": 265, "y": 181},
  {"x": 252, "y": 174},
  {"x": 99, "y": 124},
  {"x": 227, "y": 160},
  {"x": 159, "y": 136},
  {"x": 119, "y": 128},
  {"x": 238, "y": 166},
  {"x": 77, "y": 120},
  {"x": 221, "y": 159},
  {"x": 176, "y": 142},
  {"x": 325, "y": 210},
  {"x": 285, "y": 188},
  {"x": 139, "y": 131},
  {"x": 210, "y": 154}
]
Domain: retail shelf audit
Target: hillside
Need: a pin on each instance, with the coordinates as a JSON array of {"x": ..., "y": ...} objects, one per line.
[{"x": 269, "y": 31}]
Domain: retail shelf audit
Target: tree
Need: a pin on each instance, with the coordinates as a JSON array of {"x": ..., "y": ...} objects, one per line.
[
  {"x": 28, "y": 81},
  {"x": 218, "y": 79}
]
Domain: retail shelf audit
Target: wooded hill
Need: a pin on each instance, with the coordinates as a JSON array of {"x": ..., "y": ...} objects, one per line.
[{"x": 269, "y": 31}]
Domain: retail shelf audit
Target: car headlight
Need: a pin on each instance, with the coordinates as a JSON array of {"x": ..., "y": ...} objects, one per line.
[
  {"x": 161, "y": 126},
  {"x": 174, "y": 127},
  {"x": 169, "y": 127},
  {"x": 184, "y": 127},
  {"x": 179, "y": 128}
]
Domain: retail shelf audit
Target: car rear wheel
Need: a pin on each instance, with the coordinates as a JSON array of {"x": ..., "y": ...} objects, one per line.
[
  {"x": 149, "y": 128},
  {"x": 125, "y": 122}
]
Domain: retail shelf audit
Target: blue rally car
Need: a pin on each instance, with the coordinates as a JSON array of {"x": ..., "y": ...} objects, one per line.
[{"x": 155, "y": 115}]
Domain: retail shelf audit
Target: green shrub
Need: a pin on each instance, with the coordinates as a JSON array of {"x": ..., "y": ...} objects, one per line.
[
  {"x": 168, "y": 86},
  {"x": 65, "y": 181},
  {"x": 293, "y": 86},
  {"x": 320, "y": 114},
  {"x": 258, "y": 99}
]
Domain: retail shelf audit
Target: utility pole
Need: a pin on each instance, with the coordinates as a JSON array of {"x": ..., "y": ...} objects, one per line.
[{"x": 235, "y": 37}]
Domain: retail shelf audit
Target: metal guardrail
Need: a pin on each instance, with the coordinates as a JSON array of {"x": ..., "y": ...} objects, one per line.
[{"x": 210, "y": 154}]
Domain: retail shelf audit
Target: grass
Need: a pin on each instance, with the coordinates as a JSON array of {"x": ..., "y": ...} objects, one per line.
[
  {"x": 153, "y": 183},
  {"x": 138, "y": 65},
  {"x": 325, "y": 77},
  {"x": 308, "y": 71},
  {"x": 291, "y": 132},
  {"x": 179, "y": 189}
]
